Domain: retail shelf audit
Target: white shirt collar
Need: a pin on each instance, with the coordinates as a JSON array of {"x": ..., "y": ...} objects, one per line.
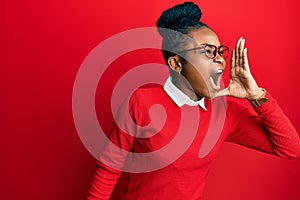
[{"x": 179, "y": 97}]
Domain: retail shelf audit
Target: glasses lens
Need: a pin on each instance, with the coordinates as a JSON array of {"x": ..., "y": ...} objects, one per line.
[
  {"x": 223, "y": 51},
  {"x": 210, "y": 51}
]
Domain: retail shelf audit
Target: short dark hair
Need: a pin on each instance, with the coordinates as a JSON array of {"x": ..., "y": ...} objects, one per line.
[{"x": 175, "y": 21}]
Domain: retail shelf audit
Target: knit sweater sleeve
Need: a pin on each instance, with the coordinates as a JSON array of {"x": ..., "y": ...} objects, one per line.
[
  {"x": 114, "y": 154},
  {"x": 268, "y": 130},
  {"x": 104, "y": 181}
]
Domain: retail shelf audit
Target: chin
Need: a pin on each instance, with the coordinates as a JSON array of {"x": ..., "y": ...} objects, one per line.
[
  {"x": 206, "y": 94},
  {"x": 209, "y": 96},
  {"x": 211, "y": 93}
]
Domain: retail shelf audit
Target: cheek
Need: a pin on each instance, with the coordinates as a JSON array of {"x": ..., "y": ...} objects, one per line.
[
  {"x": 197, "y": 71},
  {"x": 199, "y": 68},
  {"x": 195, "y": 76},
  {"x": 203, "y": 70}
]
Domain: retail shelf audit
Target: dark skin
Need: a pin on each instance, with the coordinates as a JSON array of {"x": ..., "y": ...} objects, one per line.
[{"x": 194, "y": 76}]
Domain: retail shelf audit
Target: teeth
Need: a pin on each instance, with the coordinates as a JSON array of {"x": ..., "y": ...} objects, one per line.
[{"x": 219, "y": 71}]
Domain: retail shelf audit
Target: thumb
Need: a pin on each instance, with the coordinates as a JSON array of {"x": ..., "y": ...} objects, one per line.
[{"x": 224, "y": 92}]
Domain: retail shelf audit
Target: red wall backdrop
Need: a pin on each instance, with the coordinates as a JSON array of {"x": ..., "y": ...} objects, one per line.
[{"x": 42, "y": 47}]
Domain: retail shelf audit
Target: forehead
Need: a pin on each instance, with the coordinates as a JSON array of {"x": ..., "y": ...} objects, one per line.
[{"x": 205, "y": 35}]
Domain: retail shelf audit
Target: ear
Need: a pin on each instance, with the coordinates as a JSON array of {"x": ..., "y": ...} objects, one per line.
[{"x": 175, "y": 63}]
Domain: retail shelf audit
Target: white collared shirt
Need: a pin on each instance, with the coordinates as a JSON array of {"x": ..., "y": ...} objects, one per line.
[{"x": 179, "y": 97}]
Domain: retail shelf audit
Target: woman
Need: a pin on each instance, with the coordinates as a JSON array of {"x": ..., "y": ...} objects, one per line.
[{"x": 196, "y": 60}]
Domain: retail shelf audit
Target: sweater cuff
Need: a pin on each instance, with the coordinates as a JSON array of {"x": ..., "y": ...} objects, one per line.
[{"x": 268, "y": 107}]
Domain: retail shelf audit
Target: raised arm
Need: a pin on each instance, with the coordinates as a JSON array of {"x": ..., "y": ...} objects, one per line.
[{"x": 270, "y": 130}]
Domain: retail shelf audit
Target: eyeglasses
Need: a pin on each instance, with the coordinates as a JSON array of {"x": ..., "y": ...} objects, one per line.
[{"x": 211, "y": 50}]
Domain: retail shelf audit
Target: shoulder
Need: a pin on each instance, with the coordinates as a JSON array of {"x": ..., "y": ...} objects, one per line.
[{"x": 149, "y": 93}]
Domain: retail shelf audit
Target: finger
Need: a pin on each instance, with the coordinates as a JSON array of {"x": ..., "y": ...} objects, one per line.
[
  {"x": 237, "y": 52},
  {"x": 245, "y": 58},
  {"x": 232, "y": 61},
  {"x": 241, "y": 48}
]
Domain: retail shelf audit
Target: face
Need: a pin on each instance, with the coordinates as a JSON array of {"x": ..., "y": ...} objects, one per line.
[{"x": 201, "y": 76}]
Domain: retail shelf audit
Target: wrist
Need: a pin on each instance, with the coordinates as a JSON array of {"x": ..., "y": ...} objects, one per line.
[
  {"x": 259, "y": 99},
  {"x": 260, "y": 93}
]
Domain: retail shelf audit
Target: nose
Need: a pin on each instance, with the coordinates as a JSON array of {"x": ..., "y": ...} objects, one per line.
[{"x": 219, "y": 60}]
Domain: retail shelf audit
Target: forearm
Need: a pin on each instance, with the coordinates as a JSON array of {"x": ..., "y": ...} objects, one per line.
[
  {"x": 104, "y": 181},
  {"x": 280, "y": 131}
]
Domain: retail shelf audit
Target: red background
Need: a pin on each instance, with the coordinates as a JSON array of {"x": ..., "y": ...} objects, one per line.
[{"x": 42, "y": 47}]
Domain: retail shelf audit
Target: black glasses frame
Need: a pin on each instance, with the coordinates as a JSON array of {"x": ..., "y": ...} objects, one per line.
[{"x": 220, "y": 50}]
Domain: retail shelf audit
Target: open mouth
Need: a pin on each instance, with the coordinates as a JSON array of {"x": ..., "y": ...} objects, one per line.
[{"x": 215, "y": 79}]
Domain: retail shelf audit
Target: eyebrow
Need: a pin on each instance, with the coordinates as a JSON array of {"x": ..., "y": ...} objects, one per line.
[{"x": 211, "y": 44}]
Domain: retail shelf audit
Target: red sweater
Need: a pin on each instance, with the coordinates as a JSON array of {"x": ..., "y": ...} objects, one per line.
[{"x": 265, "y": 128}]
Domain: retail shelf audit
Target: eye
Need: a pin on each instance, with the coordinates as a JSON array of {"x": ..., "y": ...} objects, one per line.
[
  {"x": 209, "y": 51},
  {"x": 221, "y": 52},
  {"x": 201, "y": 51}
]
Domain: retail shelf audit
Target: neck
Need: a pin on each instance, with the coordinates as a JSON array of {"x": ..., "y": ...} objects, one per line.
[{"x": 181, "y": 83}]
